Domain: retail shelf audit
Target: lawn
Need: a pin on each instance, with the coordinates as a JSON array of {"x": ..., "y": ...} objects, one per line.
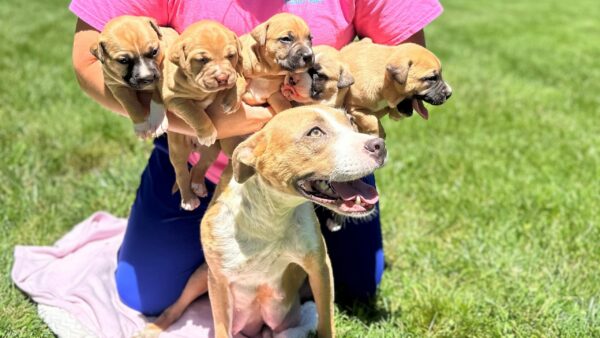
[{"x": 490, "y": 209}]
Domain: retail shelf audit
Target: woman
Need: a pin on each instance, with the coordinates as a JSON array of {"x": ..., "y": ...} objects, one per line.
[{"x": 161, "y": 248}]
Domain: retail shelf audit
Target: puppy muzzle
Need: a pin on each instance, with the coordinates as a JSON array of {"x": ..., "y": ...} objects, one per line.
[
  {"x": 300, "y": 56},
  {"x": 437, "y": 94}
]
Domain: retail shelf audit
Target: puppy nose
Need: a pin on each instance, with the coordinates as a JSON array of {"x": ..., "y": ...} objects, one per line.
[
  {"x": 376, "y": 148},
  {"x": 146, "y": 80},
  {"x": 222, "y": 78},
  {"x": 308, "y": 57}
]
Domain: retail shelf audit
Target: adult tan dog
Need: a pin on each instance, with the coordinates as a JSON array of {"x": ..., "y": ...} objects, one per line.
[
  {"x": 131, "y": 50},
  {"x": 277, "y": 46},
  {"x": 203, "y": 63},
  {"x": 326, "y": 82},
  {"x": 261, "y": 237},
  {"x": 391, "y": 79}
]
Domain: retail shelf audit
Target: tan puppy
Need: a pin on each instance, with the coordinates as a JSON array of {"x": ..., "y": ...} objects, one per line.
[
  {"x": 326, "y": 82},
  {"x": 203, "y": 63},
  {"x": 391, "y": 79},
  {"x": 261, "y": 237},
  {"x": 131, "y": 50},
  {"x": 279, "y": 45}
]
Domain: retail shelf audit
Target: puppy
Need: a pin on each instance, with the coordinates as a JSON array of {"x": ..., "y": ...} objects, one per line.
[
  {"x": 131, "y": 50},
  {"x": 391, "y": 79},
  {"x": 201, "y": 65},
  {"x": 326, "y": 82},
  {"x": 279, "y": 45},
  {"x": 203, "y": 61},
  {"x": 261, "y": 237}
]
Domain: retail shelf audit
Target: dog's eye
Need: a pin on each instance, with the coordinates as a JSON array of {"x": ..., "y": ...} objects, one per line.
[
  {"x": 231, "y": 56},
  {"x": 154, "y": 52},
  {"x": 315, "y": 132},
  {"x": 431, "y": 78},
  {"x": 123, "y": 60},
  {"x": 286, "y": 39},
  {"x": 203, "y": 60}
]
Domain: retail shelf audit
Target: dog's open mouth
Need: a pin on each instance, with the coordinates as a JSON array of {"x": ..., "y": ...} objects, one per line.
[{"x": 353, "y": 198}]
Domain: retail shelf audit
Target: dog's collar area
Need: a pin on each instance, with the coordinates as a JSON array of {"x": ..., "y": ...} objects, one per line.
[{"x": 353, "y": 198}]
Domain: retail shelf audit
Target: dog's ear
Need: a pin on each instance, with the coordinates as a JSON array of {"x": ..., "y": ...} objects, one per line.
[
  {"x": 177, "y": 53},
  {"x": 245, "y": 157},
  {"x": 239, "y": 67},
  {"x": 98, "y": 49},
  {"x": 154, "y": 26},
  {"x": 346, "y": 79},
  {"x": 259, "y": 33},
  {"x": 399, "y": 72}
]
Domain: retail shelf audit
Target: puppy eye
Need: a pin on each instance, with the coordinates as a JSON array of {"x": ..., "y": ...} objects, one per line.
[
  {"x": 154, "y": 52},
  {"x": 315, "y": 132},
  {"x": 203, "y": 60},
  {"x": 231, "y": 56},
  {"x": 123, "y": 60},
  {"x": 431, "y": 78},
  {"x": 285, "y": 39}
]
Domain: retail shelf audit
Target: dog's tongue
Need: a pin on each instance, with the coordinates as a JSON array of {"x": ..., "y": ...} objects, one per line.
[
  {"x": 420, "y": 108},
  {"x": 288, "y": 91},
  {"x": 350, "y": 190}
]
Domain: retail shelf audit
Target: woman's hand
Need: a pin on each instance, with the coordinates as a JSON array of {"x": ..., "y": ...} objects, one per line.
[{"x": 88, "y": 70}]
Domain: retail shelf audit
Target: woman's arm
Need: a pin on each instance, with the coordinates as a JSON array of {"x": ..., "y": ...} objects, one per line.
[{"x": 88, "y": 71}]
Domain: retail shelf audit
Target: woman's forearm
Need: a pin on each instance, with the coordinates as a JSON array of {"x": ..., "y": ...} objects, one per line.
[{"x": 88, "y": 71}]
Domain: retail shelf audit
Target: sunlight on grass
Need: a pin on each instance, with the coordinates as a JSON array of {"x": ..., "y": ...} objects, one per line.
[{"x": 490, "y": 208}]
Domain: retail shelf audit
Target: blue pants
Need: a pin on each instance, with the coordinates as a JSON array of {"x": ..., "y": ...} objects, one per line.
[{"x": 161, "y": 248}]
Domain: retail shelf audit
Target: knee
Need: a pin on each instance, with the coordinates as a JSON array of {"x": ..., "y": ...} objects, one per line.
[{"x": 359, "y": 283}]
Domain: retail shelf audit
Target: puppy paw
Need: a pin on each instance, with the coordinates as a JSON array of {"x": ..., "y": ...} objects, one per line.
[
  {"x": 333, "y": 225},
  {"x": 190, "y": 204},
  {"x": 208, "y": 139},
  {"x": 150, "y": 331},
  {"x": 158, "y": 119},
  {"x": 199, "y": 189},
  {"x": 155, "y": 125}
]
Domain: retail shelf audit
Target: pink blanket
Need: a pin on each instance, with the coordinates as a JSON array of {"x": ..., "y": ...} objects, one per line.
[{"x": 74, "y": 279}]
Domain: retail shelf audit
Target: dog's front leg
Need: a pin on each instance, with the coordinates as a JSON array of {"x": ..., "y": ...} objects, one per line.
[
  {"x": 318, "y": 268},
  {"x": 193, "y": 113},
  {"x": 221, "y": 303},
  {"x": 278, "y": 102}
]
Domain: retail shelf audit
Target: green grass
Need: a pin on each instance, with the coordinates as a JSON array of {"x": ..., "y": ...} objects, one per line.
[{"x": 490, "y": 209}]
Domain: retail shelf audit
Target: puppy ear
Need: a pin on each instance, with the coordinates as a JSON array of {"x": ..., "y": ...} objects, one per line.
[
  {"x": 154, "y": 26},
  {"x": 346, "y": 79},
  {"x": 259, "y": 33},
  {"x": 98, "y": 49},
  {"x": 177, "y": 53},
  {"x": 244, "y": 157},
  {"x": 399, "y": 73}
]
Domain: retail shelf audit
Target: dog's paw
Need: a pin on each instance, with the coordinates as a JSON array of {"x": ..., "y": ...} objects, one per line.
[
  {"x": 333, "y": 225},
  {"x": 155, "y": 125},
  {"x": 231, "y": 106},
  {"x": 208, "y": 139},
  {"x": 150, "y": 331},
  {"x": 199, "y": 189},
  {"x": 158, "y": 119},
  {"x": 190, "y": 204}
]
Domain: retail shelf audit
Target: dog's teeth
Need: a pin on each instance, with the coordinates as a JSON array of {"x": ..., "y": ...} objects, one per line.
[{"x": 357, "y": 201}]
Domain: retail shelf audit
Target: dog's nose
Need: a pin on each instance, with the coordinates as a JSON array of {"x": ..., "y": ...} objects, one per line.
[
  {"x": 146, "y": 80},
  {"x": 376, "y": 148},
  {"x": 308, "y": 57},
  {"x": 222, "y": 79}
]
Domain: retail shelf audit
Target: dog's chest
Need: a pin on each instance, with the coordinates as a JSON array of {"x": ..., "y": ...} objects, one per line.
[{"x": 254, "y": 254}]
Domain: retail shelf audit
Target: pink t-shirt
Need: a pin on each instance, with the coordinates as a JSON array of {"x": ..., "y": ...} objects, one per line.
[{"x": 332, "y": 22}]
